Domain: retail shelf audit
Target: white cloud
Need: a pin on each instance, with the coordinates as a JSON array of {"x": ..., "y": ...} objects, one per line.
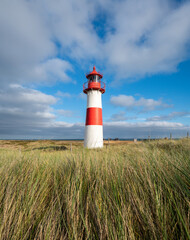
[
  {"x": 140, "y": 37},
  {"x": 121, "y": 116},
  {"x": 19, "y": 94},
  {"x": 24, "y": 42},
  {"x": 163, "y": 124},
  {"x": 150, "y": 37},
  {"x": 22, "y": 108},
  {"x": 65, "y": 113},
  {"x": 170, "y": 116},
  {"x": 144, "y": 129},
  {"x": 71, "y": 25},
  {"x": 131, "y": 102},
  {"x": 53, "y": 70},
  {"x": 26, "y": 45},
  {"x": 29, "y": 113}
]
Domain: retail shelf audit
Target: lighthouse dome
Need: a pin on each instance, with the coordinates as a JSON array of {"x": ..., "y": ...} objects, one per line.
[{"x": 93, "y": 73}]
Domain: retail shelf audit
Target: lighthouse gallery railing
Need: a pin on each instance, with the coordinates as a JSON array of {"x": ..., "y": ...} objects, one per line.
[{"x": 94, "y": 85}]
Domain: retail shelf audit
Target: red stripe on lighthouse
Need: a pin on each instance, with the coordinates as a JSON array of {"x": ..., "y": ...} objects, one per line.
[{"x": 94, "y": 116}]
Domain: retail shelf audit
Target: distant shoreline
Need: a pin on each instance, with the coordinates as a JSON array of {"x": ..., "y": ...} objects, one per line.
[{"x": 106, "y": 139}]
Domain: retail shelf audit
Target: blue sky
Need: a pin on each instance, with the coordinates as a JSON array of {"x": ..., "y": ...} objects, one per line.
[{"x": 141, "y": 47}]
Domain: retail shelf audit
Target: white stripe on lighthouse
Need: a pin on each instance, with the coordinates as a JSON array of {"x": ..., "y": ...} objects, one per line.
[
  {"x": 93, "y": 136},
  {"x": 94, "y": 99}
]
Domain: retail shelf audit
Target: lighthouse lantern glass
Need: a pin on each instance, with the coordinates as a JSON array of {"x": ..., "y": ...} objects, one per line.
[{"x": 94, "y": 78}]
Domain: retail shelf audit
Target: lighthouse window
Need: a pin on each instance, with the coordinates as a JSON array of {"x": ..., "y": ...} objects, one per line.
[{"x": 95, "y": 78}]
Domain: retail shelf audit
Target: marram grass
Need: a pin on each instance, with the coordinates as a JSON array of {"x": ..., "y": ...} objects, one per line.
[{"x": 136, "y": 191}]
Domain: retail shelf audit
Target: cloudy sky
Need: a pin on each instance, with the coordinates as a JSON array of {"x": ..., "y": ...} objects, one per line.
[{"x": 141, "y": 47}]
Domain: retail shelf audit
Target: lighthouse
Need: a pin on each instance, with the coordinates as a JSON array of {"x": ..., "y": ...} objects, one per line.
[{"x": 94, "y": 88}]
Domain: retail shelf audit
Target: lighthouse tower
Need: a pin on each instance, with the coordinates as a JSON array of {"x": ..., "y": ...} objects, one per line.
[{"x": 94, "y": 88}]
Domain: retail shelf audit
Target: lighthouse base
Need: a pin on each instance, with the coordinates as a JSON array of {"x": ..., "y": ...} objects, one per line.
[{"x": 93, "y": 136}]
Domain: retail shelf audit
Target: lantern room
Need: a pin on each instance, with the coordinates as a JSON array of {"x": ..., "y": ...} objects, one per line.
[{"x": 94, "y": 82}]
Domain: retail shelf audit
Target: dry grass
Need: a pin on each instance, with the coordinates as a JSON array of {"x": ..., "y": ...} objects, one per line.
[
  {"x": 40, "y": 144},
  {"x": 124, "y": 191}
]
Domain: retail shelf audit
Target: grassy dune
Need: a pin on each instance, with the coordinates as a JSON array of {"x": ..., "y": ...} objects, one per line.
[{"x": 124, "y": 191}]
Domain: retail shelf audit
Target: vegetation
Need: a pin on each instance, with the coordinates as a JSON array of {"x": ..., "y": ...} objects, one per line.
[{"x": 124, "y": 191}]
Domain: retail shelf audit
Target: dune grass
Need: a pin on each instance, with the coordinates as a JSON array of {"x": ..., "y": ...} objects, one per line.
[{"x": 136, "y": 191}]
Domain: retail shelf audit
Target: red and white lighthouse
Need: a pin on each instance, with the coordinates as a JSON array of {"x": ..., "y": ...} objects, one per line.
[{"x": 94, "y": 88}]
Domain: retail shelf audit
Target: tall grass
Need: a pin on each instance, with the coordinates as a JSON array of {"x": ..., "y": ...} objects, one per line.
[{"x": 138, "y": 191}]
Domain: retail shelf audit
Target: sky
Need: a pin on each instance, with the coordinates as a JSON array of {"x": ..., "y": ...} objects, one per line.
[{"x": 142, "y": 48}]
